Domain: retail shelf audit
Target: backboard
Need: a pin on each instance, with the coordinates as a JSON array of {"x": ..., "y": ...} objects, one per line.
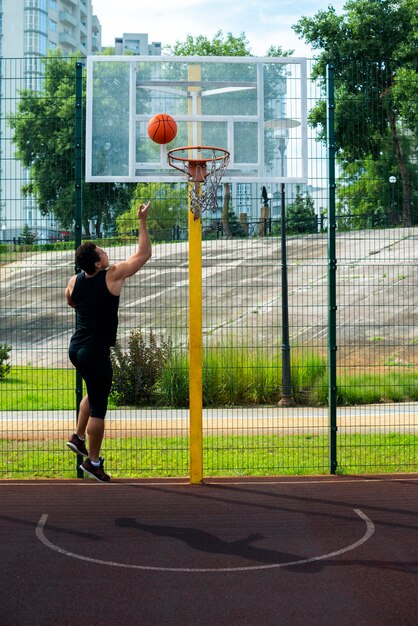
[{"x": 256, "y": 108}]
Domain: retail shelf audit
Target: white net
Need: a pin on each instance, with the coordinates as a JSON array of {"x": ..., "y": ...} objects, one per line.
[{"x": 203, "y": 171}]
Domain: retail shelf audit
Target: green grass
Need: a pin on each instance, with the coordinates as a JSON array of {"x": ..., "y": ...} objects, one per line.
[
  {"x": 238, "y": 377},
  {"x": 38, "y": 389},
  {"x": 231, "y": 377},
  {"x": 373, "y": 388},
  {"x": 257, "y": 455}
]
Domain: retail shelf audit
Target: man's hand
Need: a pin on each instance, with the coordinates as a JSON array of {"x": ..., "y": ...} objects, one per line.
[{"x": 143, "y": 210}]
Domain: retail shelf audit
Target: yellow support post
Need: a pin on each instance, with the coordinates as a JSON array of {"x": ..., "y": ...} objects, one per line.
[
  {"x": 195, "y": 349},
  {"x": 195, "y": 320}
]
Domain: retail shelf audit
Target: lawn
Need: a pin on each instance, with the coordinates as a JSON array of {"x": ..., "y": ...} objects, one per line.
[{"x": 258, "y": 455}]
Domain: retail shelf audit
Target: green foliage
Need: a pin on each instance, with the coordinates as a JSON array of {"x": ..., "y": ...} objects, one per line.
[
  {"x": 172, "y": 388},
  {"x": 309, "y": 375},
  {"x": 300, "y": 214},
  {"x": 44, "y": 130},
  {"x": 219, "y": 46},
  {"x": 28, "y": 236},
  {"x": 169, "y": 205},
  {"x": 4, "y": 360},
  {"x": 371, "y": 45},
  {"x": 370, "y": 388},
  {"x": 37, "y": 388},
  {"x": 223, "y": 455},
  {"x": 235, "y": 227},
  {"x": 236, "y": 377},
  {"x": 405, "y": 94},
  {"x": 367, "y": 198},
  {"x": 136, "y": 371},
  {"x": 231, "y": 377}
]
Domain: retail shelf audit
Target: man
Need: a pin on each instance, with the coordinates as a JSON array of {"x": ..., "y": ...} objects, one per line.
[{"x": 94, "y": 294}]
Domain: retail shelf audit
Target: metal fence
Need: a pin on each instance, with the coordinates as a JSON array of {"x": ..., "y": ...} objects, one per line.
[{"x": 349, "y": 291}]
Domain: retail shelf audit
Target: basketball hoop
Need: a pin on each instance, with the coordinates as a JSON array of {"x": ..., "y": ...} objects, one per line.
[{"x": 203, "y": 167}]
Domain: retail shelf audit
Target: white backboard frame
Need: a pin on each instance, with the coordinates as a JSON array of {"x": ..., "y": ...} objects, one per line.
[{"x": 294, "y": 127}]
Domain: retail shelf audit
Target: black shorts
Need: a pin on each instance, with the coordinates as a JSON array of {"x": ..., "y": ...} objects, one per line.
[{"x": 95, "y": 367}]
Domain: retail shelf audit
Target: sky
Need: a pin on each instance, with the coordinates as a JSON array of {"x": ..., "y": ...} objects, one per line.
[{"x": 264, "y": 22}]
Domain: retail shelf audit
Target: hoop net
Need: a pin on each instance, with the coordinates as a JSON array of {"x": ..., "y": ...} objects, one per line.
[{"x": 203, "y": 167}]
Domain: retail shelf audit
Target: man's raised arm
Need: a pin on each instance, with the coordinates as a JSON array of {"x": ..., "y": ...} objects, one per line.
[{"x": 117, "y": 274}]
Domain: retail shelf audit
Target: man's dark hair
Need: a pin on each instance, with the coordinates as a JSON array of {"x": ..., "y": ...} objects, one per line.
[{"x": 86, "y": 256}]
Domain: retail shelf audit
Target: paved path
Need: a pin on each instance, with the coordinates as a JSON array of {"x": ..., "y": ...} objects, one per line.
[{"x": 380, "y": 418}]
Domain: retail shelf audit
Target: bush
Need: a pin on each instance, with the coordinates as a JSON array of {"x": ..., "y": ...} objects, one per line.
[
  {"x": 136, "y": 371},
  {"x": 4, "y": 360},
  {"x": 172, "y": 388}
]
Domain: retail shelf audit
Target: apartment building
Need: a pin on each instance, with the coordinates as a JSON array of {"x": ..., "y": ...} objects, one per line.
[
  {"x": 28, "y": 29},
  {"x": 137, "y": 43}
]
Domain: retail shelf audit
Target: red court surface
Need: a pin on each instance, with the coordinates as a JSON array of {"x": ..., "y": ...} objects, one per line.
[{"x": 296, "y": 550}]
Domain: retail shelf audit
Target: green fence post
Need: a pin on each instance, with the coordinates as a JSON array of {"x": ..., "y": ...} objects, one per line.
[
  {"x": 78, "y": 180},
  {"x": 332, "y": 272}
]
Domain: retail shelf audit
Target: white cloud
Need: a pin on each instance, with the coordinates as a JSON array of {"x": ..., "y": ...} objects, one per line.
[{"x": 265, "y": 22}]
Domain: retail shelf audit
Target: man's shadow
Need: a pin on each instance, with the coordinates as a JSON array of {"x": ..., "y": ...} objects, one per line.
[{"x": 204, "y": 541}]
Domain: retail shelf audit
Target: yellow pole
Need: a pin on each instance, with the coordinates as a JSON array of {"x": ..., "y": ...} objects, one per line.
[
  {"x": 195, "y": 322},
  {"x": 195, "y": 349}
]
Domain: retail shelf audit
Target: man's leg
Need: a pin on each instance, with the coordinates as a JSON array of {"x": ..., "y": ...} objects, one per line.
[
  {"x": 83, "y": 417},
  {"x": 95, "y": 432},
  {"x": 99, "y": 384}
]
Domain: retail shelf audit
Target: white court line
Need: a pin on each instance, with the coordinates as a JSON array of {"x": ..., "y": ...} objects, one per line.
[
  {"x": 370, "y": 528},
  {"x": 114, "y": 484}
]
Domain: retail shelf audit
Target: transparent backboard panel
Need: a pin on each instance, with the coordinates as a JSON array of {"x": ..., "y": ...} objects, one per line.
[{"x": 253, "y": 107}]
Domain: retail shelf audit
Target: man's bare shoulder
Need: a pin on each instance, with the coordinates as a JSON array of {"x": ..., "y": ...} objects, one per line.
[
  {"x": 71, "y": 281},
  {"x": 112, "y": 271},
  {"x": 69, "y": 290}
]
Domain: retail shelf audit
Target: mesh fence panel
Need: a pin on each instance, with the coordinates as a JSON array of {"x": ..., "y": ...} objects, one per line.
[{"x": 247, "y": 428}]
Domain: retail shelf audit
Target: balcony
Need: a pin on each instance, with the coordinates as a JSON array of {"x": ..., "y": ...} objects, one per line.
[
  {"x": 83, "y": 9},
  {"x": 95, "y": 44},
  {"x": 67, "y": 18},
  {"x": 67, "y": 40},
  {"x": 95, "y": 24}
]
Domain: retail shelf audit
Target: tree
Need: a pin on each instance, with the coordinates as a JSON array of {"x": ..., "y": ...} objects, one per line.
[
  {"x": 226, "y": 227},
  {"x": 5, "y": 366},
  {"x": 169, "y": 209},
  {"x": 220, "y": 46},
  {"x": 368, "y": 45},
  {"x": 300, "y": 215},
  {"x": 28, "y": 236},
  {"x": 44, "y": 130},
  {"x": 367, "y": 198}
]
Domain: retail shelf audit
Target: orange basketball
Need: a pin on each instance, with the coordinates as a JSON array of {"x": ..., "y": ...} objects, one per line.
[{"x": 162, "y": 128}]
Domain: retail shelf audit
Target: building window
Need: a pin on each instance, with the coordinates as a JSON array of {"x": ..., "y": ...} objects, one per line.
[
  {"x": 35, "y": 43},
  {"x": 35, "y": 20},
  {"x": 53, "y": 26},
  {"x": 244, "y": 198},
  {"x": 33, "y": 65},
  {"x": 36, "y": 4}
]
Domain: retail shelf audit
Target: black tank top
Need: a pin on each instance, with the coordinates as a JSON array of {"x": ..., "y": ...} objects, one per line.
[{"x": 96, "y": 312}]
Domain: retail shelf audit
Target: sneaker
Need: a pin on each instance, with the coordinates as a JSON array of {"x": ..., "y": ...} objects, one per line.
[
  {"x": 77, "y": 445},
  {"x": 97, "y": 473}
]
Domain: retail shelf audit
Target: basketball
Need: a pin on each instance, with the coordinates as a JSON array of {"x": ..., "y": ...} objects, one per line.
[{"x": 162, "y": 128}]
